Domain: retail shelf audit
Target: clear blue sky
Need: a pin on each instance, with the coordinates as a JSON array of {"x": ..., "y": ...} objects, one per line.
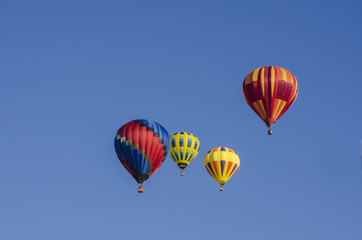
[{"x": 73, "y": 72}]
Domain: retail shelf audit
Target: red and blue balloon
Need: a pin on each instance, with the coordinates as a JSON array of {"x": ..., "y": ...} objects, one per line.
[{"x": 142, "y": 146}]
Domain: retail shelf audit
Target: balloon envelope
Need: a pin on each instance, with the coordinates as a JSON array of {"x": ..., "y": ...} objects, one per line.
[
  {"x": 221, "y": 163},
  {"x": 141, "y": 146},
  {"x": 184, "y": 148},
  {"x": 270, "y": 91}
]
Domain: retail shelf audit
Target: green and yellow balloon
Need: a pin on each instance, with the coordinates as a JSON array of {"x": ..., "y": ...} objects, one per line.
[{"x": 184, "y": 148}]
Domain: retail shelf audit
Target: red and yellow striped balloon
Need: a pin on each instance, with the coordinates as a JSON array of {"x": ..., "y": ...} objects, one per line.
[{"x": 270, "y": 91}]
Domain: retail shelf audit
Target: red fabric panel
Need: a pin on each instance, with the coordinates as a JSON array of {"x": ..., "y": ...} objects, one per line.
[{"x": 142, "y": 137}]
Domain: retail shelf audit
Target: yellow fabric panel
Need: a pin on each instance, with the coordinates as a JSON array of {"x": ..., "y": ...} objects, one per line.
[
  {"x": 295, "y": 93},
  {"x": 213, "y": 169},
  {"x": 284, "y": 76},
  {"x": 194, "y": 152},
  {"x": 252, "y": 76},
  {"x": 259, "y": 106},
  {"x": 255, "y": 76},
  {"x": 275, "y": 108},
  {"x": 280, "y": 108},
  {"x": 172, "y": 155},
  {"x": 248, "y": 78},
  {"x": 262, "y": 81},
  {"x": 272, "y": 79}
]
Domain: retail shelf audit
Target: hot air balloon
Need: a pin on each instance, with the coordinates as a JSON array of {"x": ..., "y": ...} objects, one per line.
[
  {"x": 270, "y": 91},
  {"x": 221, "y": 163},
  {"x": 184, "y": 148},
  {"x": 141, "y": 146}
]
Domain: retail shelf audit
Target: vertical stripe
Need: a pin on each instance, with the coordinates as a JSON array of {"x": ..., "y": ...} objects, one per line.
[
  {"x": 215, "y": 164},
  {"x": 230, "y": 164},
  {"x": 222, "y": 167},
  {"x": 272, "y": 80},
  {"x": 211, "y": 173},
  {"x": 272, "y": 92},
  {"x": 280, "y": 108},
  {"x": 260, "y": 109},
  {"x": 233, "y": 170},
  {"x": 181, "y": 141},
  {"x": 210, "y": 168},
  {"x": 187, "y": 154},
  {"x": 267, "y": 94},
  {"x": 261, "y": 80},
  {"x": 189, "y": 142}
]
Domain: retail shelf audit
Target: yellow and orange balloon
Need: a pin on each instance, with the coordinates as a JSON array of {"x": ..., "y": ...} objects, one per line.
[{"x": 221, "y": 163}]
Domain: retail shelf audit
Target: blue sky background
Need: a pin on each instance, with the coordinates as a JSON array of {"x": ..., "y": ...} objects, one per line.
[{"x": 73, "y": 72}]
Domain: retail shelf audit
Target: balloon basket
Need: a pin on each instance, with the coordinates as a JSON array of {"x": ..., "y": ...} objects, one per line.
[{"x": 140, "y": 189}]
